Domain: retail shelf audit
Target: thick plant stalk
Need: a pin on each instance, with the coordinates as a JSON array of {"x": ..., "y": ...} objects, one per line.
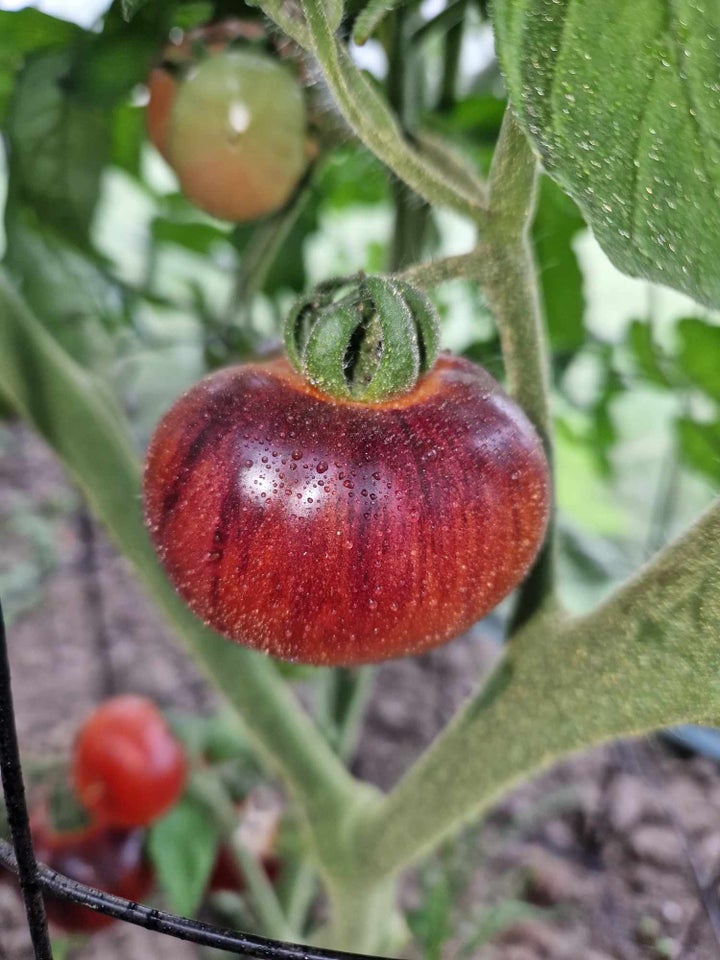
[
  {"x": 507, "y": 272},
  {"x": 647, "y": 658},
  {"x": 72, "y": 412}
]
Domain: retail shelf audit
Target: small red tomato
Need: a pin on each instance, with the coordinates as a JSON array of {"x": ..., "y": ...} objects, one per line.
[
  {"x": 109, "y": 859},
  {"x": 128, "y": 768},
  {"x": 339, "y": 532}
]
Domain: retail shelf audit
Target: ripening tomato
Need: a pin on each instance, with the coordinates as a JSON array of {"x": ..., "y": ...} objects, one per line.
[
  {"x": 128, "y": 768},
  {"x": 234, "y": 129},
  {"x": 333, "y": 531},
  {"x": 178, "y": 56},
  {"x": 162, "y": 87},
  {"x": 107, "y": 858}
]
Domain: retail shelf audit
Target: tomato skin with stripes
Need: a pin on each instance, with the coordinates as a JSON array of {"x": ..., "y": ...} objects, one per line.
[{"x": 335, "y": 532}]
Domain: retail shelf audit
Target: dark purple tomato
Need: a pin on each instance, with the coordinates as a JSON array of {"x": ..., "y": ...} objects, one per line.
[
  {"x": 109, "y": 859},
  {"x": 337, "y": 532}
]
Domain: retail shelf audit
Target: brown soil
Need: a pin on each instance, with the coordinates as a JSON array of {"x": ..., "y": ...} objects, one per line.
[{"x": 620, "y": 846}]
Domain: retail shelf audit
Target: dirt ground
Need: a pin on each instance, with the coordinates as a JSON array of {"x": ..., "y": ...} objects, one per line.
[{"x": 620, "y": 846}]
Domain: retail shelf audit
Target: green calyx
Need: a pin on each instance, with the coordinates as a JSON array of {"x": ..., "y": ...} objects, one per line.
[{"x": 363, "y": 338}]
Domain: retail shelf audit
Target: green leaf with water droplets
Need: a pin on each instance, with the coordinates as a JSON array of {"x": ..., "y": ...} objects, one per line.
[{"x": 622, "y": 101}]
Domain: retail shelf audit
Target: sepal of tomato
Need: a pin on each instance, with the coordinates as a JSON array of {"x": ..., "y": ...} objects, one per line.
[
  {"x": 338, "y": 532},
  {"x": 128, "y": 767}
]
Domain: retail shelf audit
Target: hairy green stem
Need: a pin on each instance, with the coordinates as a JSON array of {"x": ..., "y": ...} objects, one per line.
[
  {"x": 646, "y": 658},
  {"x": 509, "y": 277},
  {"x": 373, "y": 121},
  {"x": 261, "y": 252},
  {"x": 404, "y": 87},
  {"x": 206, "y": 789},
  {"x": 361, "y": 915},
  {"x": 451, "y": 61},
  {"x": 301, "y": 894}
]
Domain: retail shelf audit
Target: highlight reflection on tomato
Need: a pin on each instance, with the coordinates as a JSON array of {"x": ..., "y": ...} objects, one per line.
[{"x": 340, "y": 532}]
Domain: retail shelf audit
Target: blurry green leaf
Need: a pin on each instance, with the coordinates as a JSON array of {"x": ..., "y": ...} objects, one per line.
[
  {"x": 498, "y": 918},
  {"x": 557, "y": 222},
  {"x": 287, "y": 271},
  {"x": 352, "y": 177},
  {"x": 20, "y": 34},
  {"x": 130, "y": 7},
  {"x": 198, "y": 237},
  {"x": 645, "y": 353},
  {"x": 371, "y": 17},
  {"x": 621, "y": 100},
  {"x": 700, "y": 445},
  {"x": 128, "y": 138},
  {"x": 183, "y": 846},
  {"x": 431, "y": 924},
  {"x": 61, "y": 283},
  {"x": 479, "y": 116},
  {"x": 57, "y": 148},
  {"x": 699, "y": 355},
  {"x": 106, "y": 66}
]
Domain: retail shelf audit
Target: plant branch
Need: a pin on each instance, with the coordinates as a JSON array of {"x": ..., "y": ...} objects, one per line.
[
  {"x": 646, "y": 658},
  {"x": 369, "y": 115},
  {"x": 76, "y": 416}
]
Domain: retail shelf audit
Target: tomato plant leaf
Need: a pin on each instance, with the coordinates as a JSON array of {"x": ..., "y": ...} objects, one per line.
[
  {"x": 700, "y": 446},
  {"x": 557, "y": 223},
  {"x": 62, "y": 283},
  {"x": 183, "y": 846},
  {"x": 130, "y": 8},
  {"x": 57, "y": 148},
  {"x": 646, "y": 353},
  {"x": 20, "y": 34},
  {"x": 699, "y": 355},
  {"x": 621, "y": 100}
]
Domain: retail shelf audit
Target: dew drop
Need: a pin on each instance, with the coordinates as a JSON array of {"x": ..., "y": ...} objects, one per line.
[{"x": 322, "y": 467}]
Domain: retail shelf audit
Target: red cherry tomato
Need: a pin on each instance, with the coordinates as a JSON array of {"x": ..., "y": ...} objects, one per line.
[
  {"x": 128, "y": 768},
  {"x": 109, "y": 859},
  {"x": 333, "y": 532}
]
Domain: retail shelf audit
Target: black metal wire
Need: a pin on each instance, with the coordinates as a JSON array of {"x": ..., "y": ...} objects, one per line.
[
  {"x": 194, "y": 931},
  {"x": 36, "y": 878},
  {"x": 17, "y": 813}
]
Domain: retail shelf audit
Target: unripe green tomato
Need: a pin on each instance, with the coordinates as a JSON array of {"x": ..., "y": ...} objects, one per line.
[{"x": 237, "y": 135}]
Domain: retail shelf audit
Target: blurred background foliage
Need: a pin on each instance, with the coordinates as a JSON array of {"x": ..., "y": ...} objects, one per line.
[{"x": 150, "y": 293}]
